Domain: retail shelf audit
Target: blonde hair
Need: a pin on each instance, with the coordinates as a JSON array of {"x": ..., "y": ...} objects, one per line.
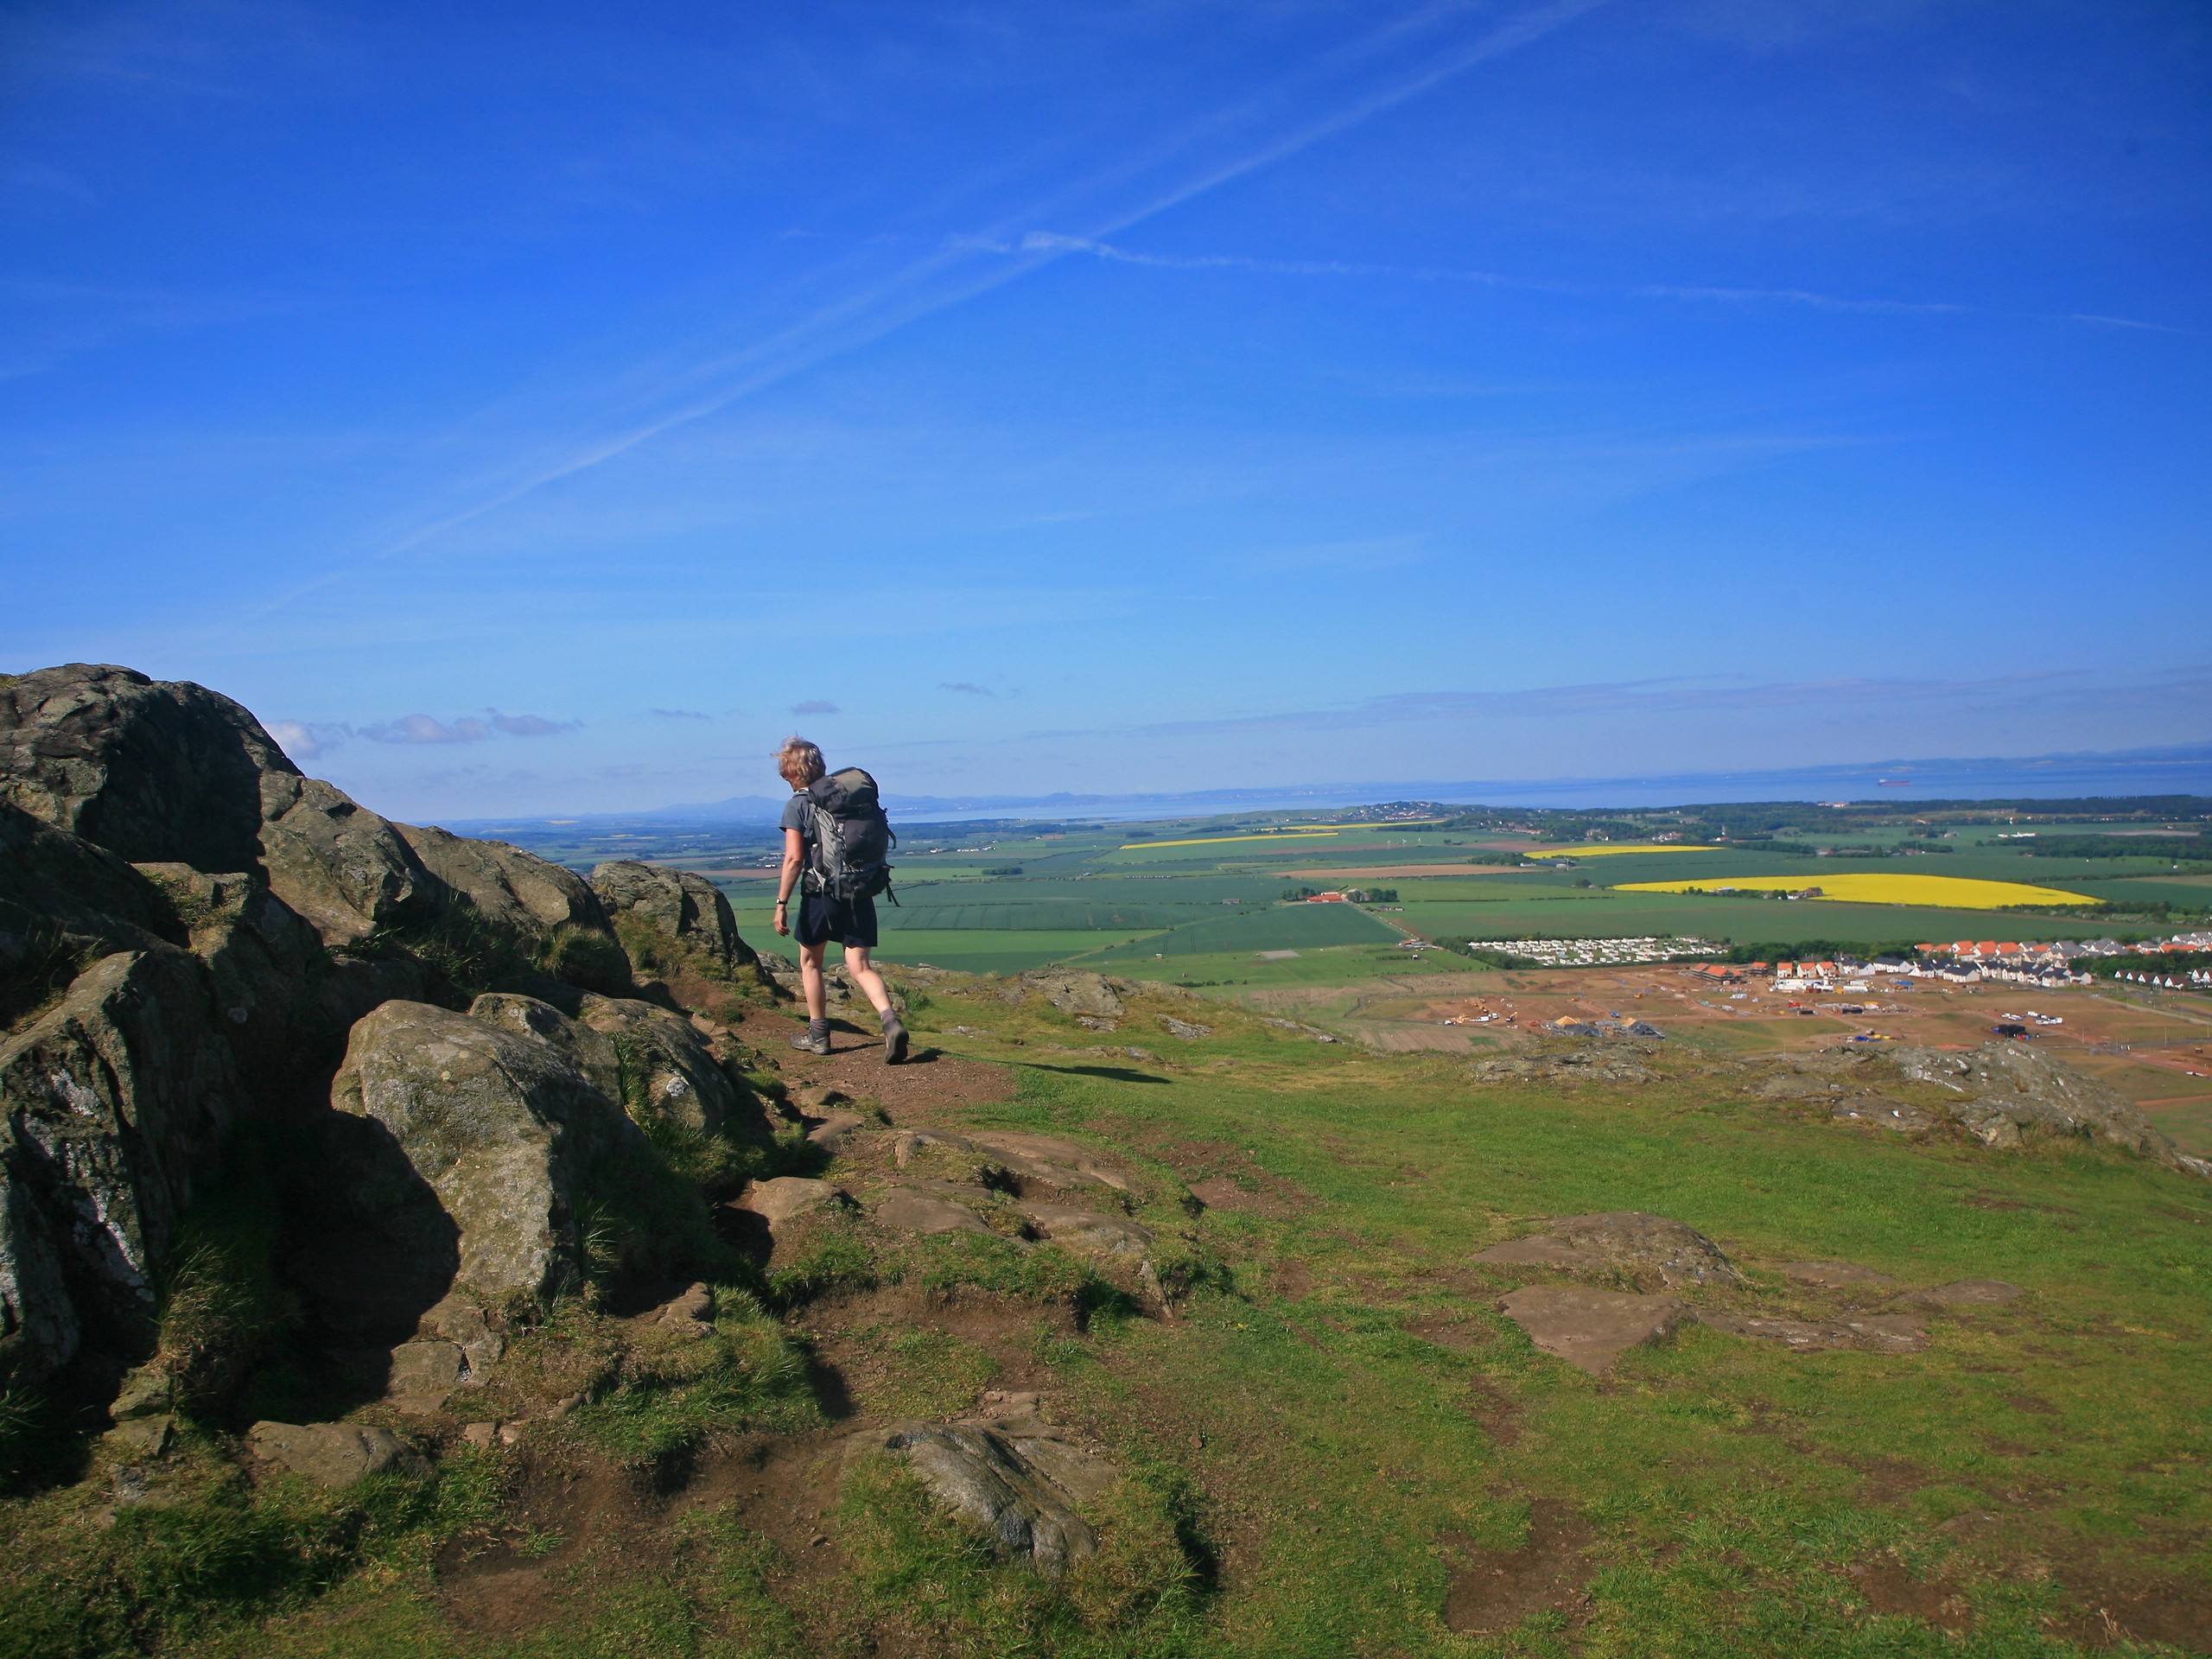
[{"x": 800, "y": 762}]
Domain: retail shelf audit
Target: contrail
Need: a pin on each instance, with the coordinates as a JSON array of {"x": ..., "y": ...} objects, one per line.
[
  {"x": 1053, "y": 242},
  {"x": 893, "y": 302}
]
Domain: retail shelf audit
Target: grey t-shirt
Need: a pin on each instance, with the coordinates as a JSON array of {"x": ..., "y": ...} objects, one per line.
[{"x": 795, "y": 816}]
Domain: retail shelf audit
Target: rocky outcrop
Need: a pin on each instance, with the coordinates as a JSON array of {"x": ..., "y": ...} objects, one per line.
[
  {"x": 341, "y": 866},
  {"x": 116, "y": 1103},
  {"x": 526, "y": 896},
  {"x": 685, "y": 909},
  {"x": 169, "y": 772},
  {"x": 2000, "y": 1088},
  {"x": 1073, "y": 991},
  {"x": 504, "y": 1128},
  {"x": 151, "y": 769}
]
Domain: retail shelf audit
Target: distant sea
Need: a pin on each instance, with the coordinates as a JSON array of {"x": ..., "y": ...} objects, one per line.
[{"x": 2178, "y": 771}]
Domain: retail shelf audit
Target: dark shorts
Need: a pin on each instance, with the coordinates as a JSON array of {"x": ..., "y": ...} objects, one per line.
[{"x": 850, "y": 922}]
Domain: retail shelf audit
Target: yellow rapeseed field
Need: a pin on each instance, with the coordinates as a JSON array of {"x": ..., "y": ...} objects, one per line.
[
  {"x": 1215, "y": 841},
  {"x": 1943, "y": 891}
]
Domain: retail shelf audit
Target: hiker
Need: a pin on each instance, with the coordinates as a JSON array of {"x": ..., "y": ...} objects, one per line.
[{"x": 835, "y": 839}]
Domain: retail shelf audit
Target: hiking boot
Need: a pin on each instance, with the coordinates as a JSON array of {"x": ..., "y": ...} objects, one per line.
[
  {"x": 894, "y": 1042},
  {"x": 808, "y": 1042}
]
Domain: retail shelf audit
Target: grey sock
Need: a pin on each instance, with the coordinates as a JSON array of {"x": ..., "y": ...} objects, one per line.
[
  {"x": 890, "y": 1018},
  {"x": 818, "y": 1029}
]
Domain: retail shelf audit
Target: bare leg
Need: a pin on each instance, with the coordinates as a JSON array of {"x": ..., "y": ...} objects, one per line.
[
  {"x": 863, "y": 973},
  {"x": 809, "y": 979}
]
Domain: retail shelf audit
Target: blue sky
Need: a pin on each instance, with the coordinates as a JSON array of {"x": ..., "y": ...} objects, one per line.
[{"x": 533, "y": 407}]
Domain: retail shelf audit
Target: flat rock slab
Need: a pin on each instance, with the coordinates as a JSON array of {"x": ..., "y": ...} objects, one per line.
[
  {"x": 1834, "y": 1273},
  {"x": 1031, "y": 1160},
  {"x": 1014, "y": 1483},
  {"x": 427, "y": 1366},
  {"x": 335, "y": 1454},
  {"x": 1652, "y": 1250},
  {"x": 832, "y": 1133},
  {"x": 786, "y": 1197},
  {"x": 1967, "y": 1293},
  {"x": 1089, "y": 1233},
  {"x": 1885, "y": 1333},
  {"x": 1591, "y": 1329},
  {"x": 911, "y": 1212}
]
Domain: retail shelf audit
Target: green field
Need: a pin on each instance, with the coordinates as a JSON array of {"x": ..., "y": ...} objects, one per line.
[
  {"x": 1284, "y": 927},
  {"x": 1119, "y": 895}
]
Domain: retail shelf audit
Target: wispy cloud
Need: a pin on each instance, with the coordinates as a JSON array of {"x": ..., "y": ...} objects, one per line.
[
  {"x": 815, "y": 706},
  {"x": 1034, "y": 242},
  {"x": 677, "y": 713},
  {"x": 968, "y": 688},
  {"x": 311, "y": 739},
  {"x": 957, "y": 271}
]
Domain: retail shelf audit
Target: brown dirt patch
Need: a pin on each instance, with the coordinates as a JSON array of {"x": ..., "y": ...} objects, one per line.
[
  {"x": 1224, "y": 1177},
  {"x": 1292, "y": 1281},
  {"x": 1456, "y": 1332},
  {"x": 2103, "y": 1609},
  {"x": 929, "y": 1087},
  {"x": 1888, "y": 1588},
  {"x": 512, "y": 1582},
  {"x": 1494, "y": 1589}
]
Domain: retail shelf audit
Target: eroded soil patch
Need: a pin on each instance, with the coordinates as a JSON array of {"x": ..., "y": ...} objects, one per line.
[{"x": 1493, "y": 1590}]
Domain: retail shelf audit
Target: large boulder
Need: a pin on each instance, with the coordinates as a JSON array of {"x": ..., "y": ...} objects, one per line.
[
  {"x": 113, "y": 1108},
  {"x": 163, "y": 772},
  {"x": 525, "y": 895},
  {"x": 504, "y": 1128},
  {"x": 149, "y": 769},
  {"x": 347, "y": 870},
  {"x": 687, "y": 909},
  {"x": 647, "y": 1060}
]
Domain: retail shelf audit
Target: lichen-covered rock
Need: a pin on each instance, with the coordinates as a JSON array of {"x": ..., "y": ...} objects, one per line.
[
  {"x": 333, "y": 1455},
  {"x": 113, "y": 1107},
  {"x": 503, "y": 1126},
  {"x": 151, "y": 769},
  {"x": 1088, "y": 1232},
  {"x": 1073, "y": 991},
  {"x": 1002, "y": 1480},
  {"x": 684, "y": 908},
  {"x": 527, "y": 896},
  {"x": 343, "y": 867},
  {"x": 162, "y": 771},
  {"x": 648, "y": 1060},
  {"x": 666, "y": 1066}
]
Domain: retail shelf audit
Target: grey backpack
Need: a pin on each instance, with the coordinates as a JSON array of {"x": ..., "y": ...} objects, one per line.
[{"x": 852, "y": 839}]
